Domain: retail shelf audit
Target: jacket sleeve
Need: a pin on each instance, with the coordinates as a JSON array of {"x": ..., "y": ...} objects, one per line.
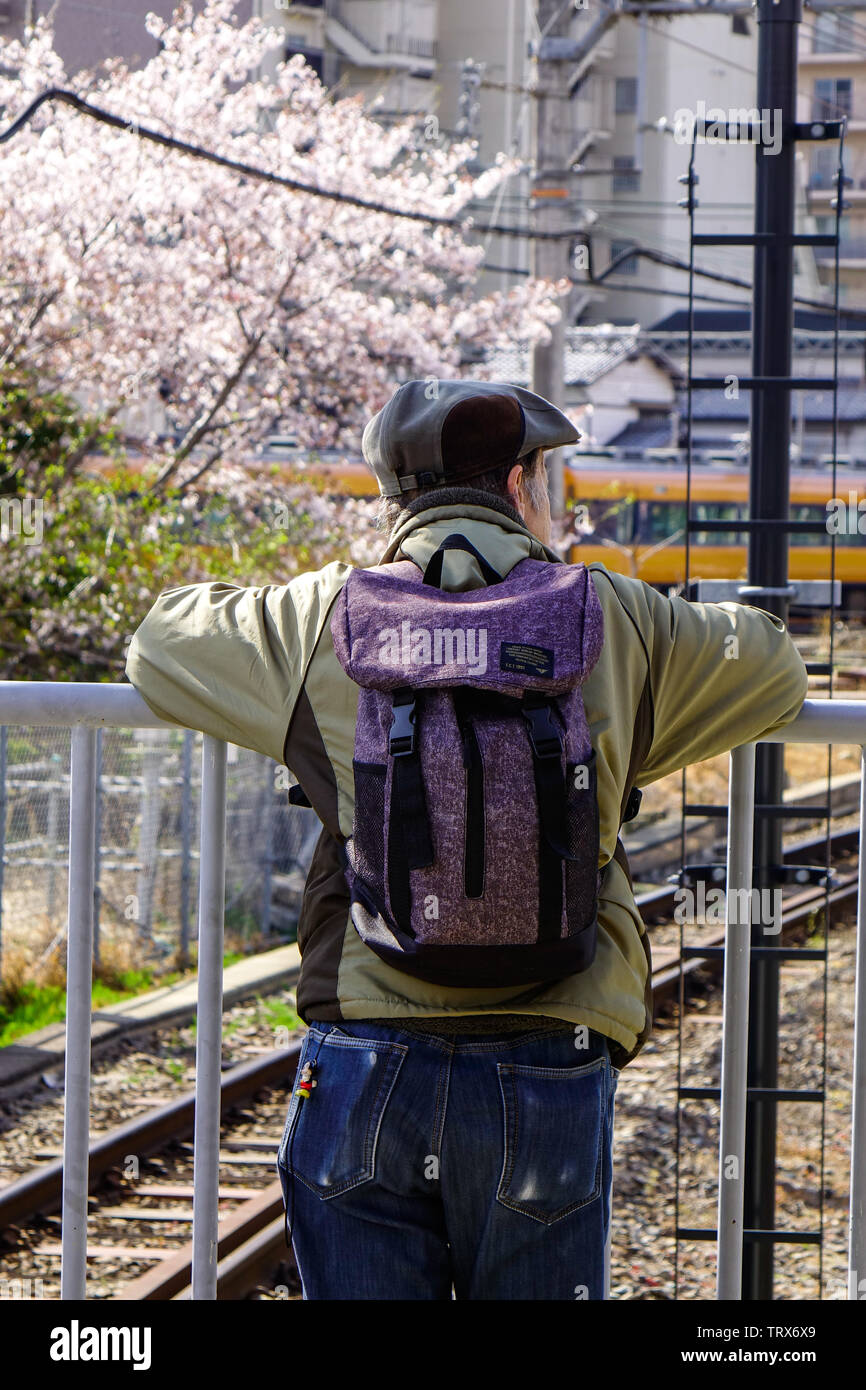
[
  {"x": 720, "y": 675},
  {"x": 231, "y": 661}
]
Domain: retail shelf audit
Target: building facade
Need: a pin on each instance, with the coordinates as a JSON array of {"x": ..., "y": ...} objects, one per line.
[
  {"x": 470, "y": 70},
  {"x": 832, "y": 85}
]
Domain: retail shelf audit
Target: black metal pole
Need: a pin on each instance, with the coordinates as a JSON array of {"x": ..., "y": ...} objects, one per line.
[{"x": 772, "y": 328}]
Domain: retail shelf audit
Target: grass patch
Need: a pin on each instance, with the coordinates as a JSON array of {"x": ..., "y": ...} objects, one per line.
[
  {"x": 35, "y": 1006},
  {"x": 26, "y": 1006},
  {"x": 281, "y": 1015}
]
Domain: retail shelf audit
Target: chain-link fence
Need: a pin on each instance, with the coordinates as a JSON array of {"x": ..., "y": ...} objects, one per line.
[{"x": 146, "y": 856}]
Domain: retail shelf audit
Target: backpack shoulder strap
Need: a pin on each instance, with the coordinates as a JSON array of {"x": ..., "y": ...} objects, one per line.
[
  {"x": 456, "y": 541},
  {"x": 640, "y": 745},
  {"x": 643, "y": 732}
]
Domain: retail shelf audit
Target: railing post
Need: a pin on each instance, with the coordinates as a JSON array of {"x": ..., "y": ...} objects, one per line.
[
  {"x": 267, "y": 868},
  {"x": 857, "y": 1208},
  {"x": 97, "y": 847},
  {"x": 4, "y": 739},
  {"x": 735, "y": 1026},
  {"x": 208, "y": 1047},
  {"x": 79, "y": 965},
  {"x": 51, "y": 837},
  {"x": 148, "y": 838},
  {"x": 185, "y": 839}
]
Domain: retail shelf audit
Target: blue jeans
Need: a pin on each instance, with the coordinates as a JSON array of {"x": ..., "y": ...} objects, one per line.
[{"x": 420, "y": 1164}]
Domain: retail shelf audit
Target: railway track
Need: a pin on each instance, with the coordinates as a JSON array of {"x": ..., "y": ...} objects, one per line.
[
  {"x": 140, "y": 1220},
  {"x": 655, "y": 848}
]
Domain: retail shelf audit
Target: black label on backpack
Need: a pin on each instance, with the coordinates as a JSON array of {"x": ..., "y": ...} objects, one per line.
[{"x": 525, "y": 659}]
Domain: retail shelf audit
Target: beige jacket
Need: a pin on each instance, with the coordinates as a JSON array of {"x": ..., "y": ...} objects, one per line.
[{"x": 676, "y": 682}]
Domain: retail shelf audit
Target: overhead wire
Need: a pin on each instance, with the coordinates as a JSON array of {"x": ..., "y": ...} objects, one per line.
[
  {"x": 690, "y": 180},
  {"x": 98, "y": 113},
  {"x": 269, "y": 176},
  {"x": 248, "y": 170}
]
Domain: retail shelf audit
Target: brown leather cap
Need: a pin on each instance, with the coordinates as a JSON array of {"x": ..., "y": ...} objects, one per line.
[
  {"x": 479, "y": 433},
  {"x": 435, "y": 432}
]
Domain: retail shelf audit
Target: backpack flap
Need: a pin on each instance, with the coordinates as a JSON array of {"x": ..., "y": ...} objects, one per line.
[{"x": 541, "y": 628}]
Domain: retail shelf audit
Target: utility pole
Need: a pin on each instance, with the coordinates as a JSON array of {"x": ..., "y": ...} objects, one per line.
[
  {"x": 772, "y": 327},
  {"x": 550, "y": 198}
]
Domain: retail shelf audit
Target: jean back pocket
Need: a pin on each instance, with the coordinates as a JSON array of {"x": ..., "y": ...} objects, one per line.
[
  {"x": 554, "y": 1123},
  {"x": 333, "y": 1147}
]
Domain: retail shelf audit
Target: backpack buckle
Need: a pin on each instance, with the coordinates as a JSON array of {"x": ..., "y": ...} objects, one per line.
[
  {"x": 632, "y": 806},
  {"x": 543, "y": 733},
  {"x": 402, "y": 735}
]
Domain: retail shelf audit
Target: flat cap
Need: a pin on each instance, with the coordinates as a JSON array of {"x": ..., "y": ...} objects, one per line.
[{"x": 433, "y": 433}]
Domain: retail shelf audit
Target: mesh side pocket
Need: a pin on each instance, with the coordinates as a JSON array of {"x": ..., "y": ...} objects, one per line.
[
  {"x": 582, "y": 831},
  {"x": 368, "y": 838}
]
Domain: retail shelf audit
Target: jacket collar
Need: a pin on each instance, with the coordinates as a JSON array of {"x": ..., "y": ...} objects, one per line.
[{"x": 501, "y": 536}]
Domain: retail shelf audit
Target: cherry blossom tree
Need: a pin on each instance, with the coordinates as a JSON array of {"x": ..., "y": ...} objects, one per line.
[{"x": 133, "y": 273}]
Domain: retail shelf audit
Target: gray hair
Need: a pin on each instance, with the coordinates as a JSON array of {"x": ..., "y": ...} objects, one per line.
[{"x": 495, "y": 482}]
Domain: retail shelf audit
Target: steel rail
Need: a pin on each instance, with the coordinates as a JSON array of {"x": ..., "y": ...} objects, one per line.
[{"x": 41, "y": 1189}]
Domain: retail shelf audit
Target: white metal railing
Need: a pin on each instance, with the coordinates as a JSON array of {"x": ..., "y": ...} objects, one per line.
[
  {"x": 819, "y": 721},
  {"x": 87, "y": 707}
]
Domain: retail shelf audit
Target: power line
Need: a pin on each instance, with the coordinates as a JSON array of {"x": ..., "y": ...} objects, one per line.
[
  {"x": 252, "y": 171},
  {"x": 611, "y": 227},
  {"x": 637, "y": 289},
  {"x": 853, "y": 25},
  {"x": 663, "y": 258},
  {"x": 707, "y": 52},
  {"x": 637, "y": 204}
]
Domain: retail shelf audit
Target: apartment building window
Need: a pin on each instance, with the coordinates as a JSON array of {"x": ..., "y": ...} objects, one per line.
[
  {"x": 629, "y": 265},
  {"x": 831, "y": 98},
  {"x": 824, "y": 163},
  {"x": 625, "y": 97},
  {"x": 625, "y": 179},
  {"x": 832, "y": 33}
]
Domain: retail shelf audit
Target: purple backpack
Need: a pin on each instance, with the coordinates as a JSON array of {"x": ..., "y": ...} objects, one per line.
[{"x": 473, "y": 859}]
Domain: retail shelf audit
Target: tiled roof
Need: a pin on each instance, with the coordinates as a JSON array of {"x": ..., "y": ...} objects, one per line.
[
  {"x": 713, "y": 320},
  {"x": 711, "y": 404},
  {"x": 589, "y": 354},
  {"x": 651, "y": 433}
]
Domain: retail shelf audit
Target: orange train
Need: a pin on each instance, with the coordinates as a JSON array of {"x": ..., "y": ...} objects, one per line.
[
  {"x": 637, "y": 515},
  {"x": 631, "y": 517}
]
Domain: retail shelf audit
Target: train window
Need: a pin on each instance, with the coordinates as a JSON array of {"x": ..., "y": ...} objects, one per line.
[
  {"x": 812, "y": 512},
  {"x": 667, "y": 521},
  {"x": 718, "y": 511},
  {"x": 661, "y": 521},
  {"x": 851, "y": 536},
  {"x": 612, "y": 519}
]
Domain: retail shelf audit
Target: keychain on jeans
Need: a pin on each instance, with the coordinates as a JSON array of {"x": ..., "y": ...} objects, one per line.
[
  {"x": 306, "y": 1083},
  {"x": 303, "y": 1090}
]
